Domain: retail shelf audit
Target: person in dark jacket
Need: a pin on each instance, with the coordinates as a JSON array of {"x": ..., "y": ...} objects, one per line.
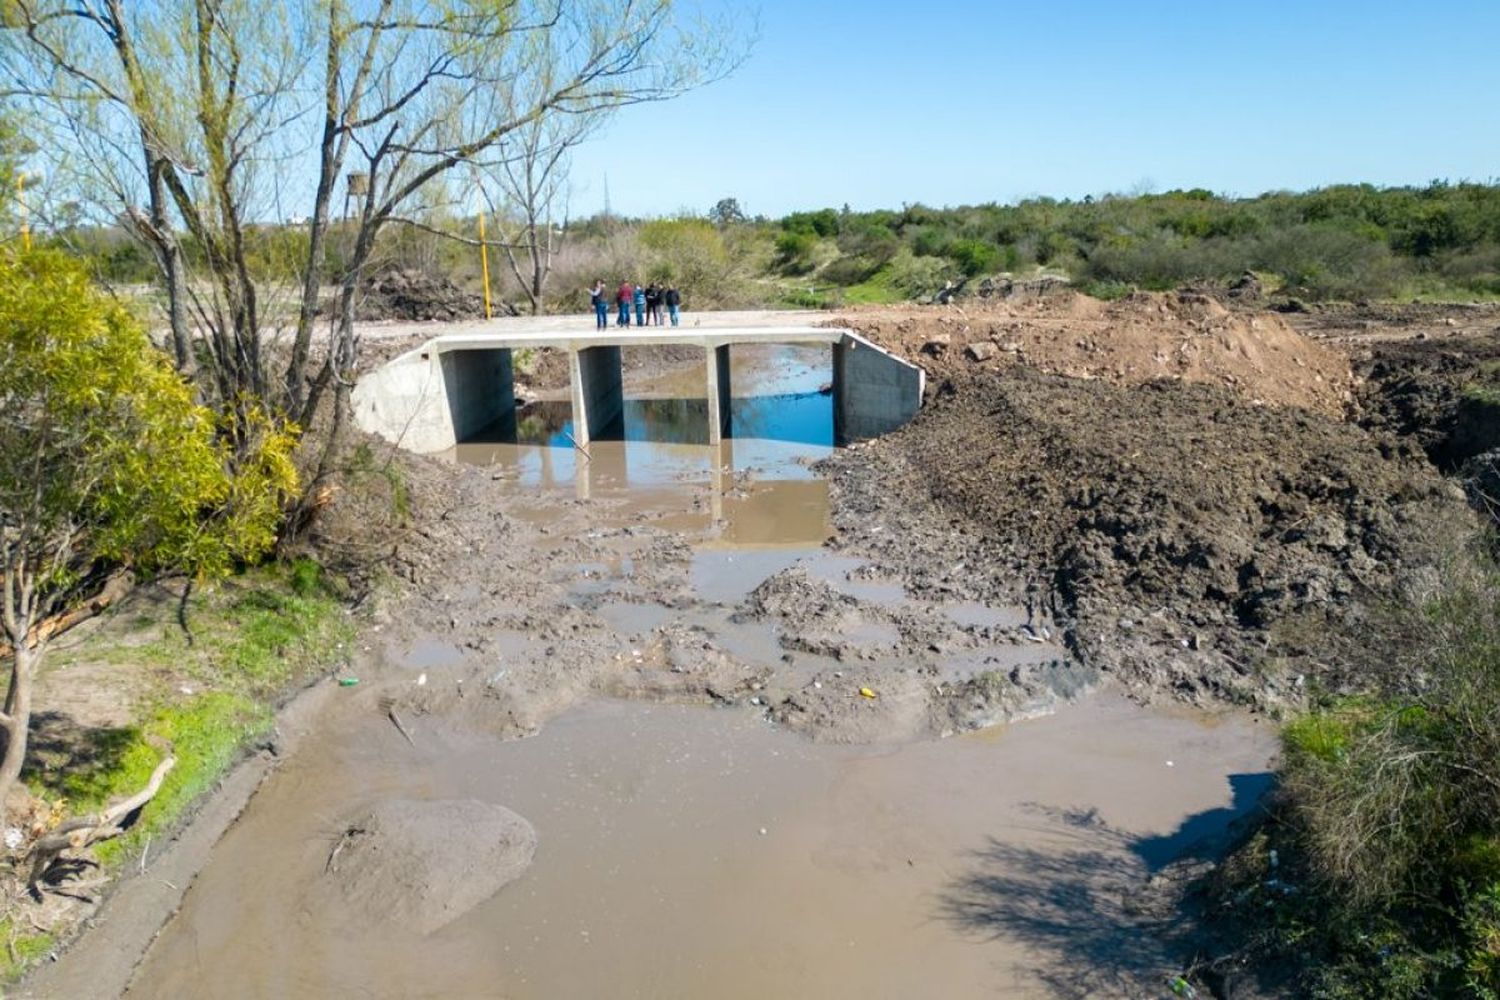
[
  {"x": 601, "y": 307},
  {"x": 640, "y": 306},
  {"x": 653, "y": 305},
  {"x": 622, "y": 299},
  {"x": 673, "y": 301}
]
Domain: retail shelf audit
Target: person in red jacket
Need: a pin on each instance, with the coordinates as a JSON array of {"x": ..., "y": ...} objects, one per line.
[{"x": 623, "y": 298}]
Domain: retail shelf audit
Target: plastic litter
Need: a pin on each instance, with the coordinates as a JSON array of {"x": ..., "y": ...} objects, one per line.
[
  {"x": 348, "y": 682},
  {"x": 867, "y": 693}
]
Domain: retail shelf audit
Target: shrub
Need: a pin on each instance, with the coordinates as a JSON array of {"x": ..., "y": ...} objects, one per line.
[
  {"x": 1392, "y": 805},
  {"x": 974, "y": 256},
  {"x": 794, "y": 252}
]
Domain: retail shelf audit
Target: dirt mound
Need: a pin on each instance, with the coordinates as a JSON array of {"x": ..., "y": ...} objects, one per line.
[
  {"x": 415, "y": 296},
  {"x": 425, "y": 864},
  {"x": 1172, "y": 528},
  {"x": 1147, "y": 336},
  {"x": 1444, "y": 393}
]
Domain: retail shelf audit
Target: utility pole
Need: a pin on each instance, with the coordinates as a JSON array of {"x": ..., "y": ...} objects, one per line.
[
  {"x": 21, "y": 202},
  {"x": 484, "y": 263}
]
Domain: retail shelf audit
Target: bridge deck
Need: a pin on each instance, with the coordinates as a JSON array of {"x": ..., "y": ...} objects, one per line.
[{"x": 649, "y": 336}]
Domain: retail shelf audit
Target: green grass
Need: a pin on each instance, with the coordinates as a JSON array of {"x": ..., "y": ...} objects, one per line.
[
  {"x": 206, "y": 732},
  {"x": 21, "y": 949},
  {"x": 253, "y": 636},
  {"x": 876, "y": 291}
]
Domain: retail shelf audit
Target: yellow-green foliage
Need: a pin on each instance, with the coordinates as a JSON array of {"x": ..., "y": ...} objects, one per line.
[{"x": 105, "y": 447}]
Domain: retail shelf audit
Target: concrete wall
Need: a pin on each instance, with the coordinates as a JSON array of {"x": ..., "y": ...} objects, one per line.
[
  {"x": 428, "y": 402},
  {"x": 598, "y": 391},
  {"x": 405, "y": 402},
  {"x": 720, "y": 394},
  {"x": 874, "y": 392},
  {"x": 480, "y": 389}
]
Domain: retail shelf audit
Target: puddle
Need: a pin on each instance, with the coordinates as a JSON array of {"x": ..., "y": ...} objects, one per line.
[
  {"x": 633, "y": 619},
  {"x": 982, "y": 616},
  {"x": 727, "y": 576},
  {"x": 425, "y": 654},
  {"x": 688, "y": 852}
]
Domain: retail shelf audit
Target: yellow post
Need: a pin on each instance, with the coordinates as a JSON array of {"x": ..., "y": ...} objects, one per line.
[
  {"x": 484, "y": 263},
  {"x": 21, "y": 201}
]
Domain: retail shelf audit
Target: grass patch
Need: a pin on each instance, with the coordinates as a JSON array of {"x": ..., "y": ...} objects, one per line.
[
  {"x": 206, "y": 732},
  {"x": 21, "y": 949},
  {"x": 1388, "y": 824},
  {"x": 875, "y": 291},
  {"x": 251, "y": 637}
]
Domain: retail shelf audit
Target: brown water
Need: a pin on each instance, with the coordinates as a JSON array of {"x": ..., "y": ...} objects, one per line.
[
  {"x": 691, "y": 852},
  {"x": 754, "y": 490},
  {"x": 694, "y": 852}
]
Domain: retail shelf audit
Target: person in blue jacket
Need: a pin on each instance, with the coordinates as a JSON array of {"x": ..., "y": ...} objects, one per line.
[{"x": 640, "y": 305}]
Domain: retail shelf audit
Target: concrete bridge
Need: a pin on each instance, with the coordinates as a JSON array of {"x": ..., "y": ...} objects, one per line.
[{"x": 456, "y": 384}]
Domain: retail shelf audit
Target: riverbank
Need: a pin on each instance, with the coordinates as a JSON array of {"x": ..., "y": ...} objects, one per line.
[{"x": 1029, "y": 539}]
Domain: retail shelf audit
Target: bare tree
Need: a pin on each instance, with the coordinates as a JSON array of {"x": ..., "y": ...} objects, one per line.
[
  {"x": 532, "y": 177},
  {"x": 200, "y": 120}
]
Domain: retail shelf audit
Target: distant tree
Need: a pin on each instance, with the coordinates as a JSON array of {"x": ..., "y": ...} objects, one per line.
[
  {"x": 105, "y": 458},
  {"x": 532, "y": 176},
  {"x": 726, "y": 212}
]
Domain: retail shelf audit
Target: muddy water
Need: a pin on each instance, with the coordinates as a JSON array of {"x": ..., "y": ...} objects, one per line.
[
  {"x": 690, "y": 852},
  {"x": 687, "y": 851},
  {"x": 756, "y": 489}
]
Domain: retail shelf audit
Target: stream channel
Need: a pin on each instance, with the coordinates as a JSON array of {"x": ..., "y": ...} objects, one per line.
[{"x": 685, "y": 850}]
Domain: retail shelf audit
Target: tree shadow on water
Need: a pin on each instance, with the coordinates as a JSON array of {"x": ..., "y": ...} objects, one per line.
[{"x": 1100, "y": 912}]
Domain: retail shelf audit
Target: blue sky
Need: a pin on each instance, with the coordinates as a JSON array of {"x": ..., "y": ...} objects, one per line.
[{"x": 877, "y": 103}]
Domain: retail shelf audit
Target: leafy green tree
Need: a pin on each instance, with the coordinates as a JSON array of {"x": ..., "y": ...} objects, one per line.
[
  {"x": 726, "y": 212},
  {"x": 106, "y": 459}
]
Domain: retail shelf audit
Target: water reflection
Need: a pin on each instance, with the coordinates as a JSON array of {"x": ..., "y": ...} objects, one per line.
[{"x": 656, "y": 456}]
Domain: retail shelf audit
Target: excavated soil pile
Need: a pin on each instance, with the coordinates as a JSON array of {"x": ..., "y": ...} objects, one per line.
[
  {"x": 1146, "y": 336},
  {"x": 414, "y": 296},
  {"x": 1172, "y": 528},
  {"x": 1443, "y": 393},
  {"x": 425, "y": 864}
]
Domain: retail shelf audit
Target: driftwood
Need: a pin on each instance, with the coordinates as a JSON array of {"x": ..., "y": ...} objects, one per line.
[{"x": 83, "y": 831}]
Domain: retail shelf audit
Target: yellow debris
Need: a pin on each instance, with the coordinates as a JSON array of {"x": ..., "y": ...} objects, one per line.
[{"x": 867, "y": 692}]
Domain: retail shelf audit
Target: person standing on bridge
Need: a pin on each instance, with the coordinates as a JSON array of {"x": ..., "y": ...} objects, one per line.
[
  {"x": 640, "y": 306},
  {"x": 673, "y": 301},
  {"x": 653, "y": 305},
  {"x": 622, "y": 298},
  {"x": 601, "y": 307}
]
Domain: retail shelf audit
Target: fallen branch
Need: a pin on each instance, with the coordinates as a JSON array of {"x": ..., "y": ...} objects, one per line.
[
  {"x": 116, "y": 587},
  {"x": 84, "y": 831}
]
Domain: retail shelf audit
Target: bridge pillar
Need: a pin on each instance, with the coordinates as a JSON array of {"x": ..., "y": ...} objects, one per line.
[
  {"x": 480, "y": 389},
  {"x": 720, "y": 396},
  {"x": 598, "y": 391},
  {"x": 874, "y": 392}
]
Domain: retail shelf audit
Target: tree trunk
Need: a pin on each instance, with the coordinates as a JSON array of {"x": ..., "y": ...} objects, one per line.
[{"x": 17, "y": 722}]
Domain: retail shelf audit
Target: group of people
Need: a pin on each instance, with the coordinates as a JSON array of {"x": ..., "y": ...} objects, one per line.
[{"x": 649, "y": 302}]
